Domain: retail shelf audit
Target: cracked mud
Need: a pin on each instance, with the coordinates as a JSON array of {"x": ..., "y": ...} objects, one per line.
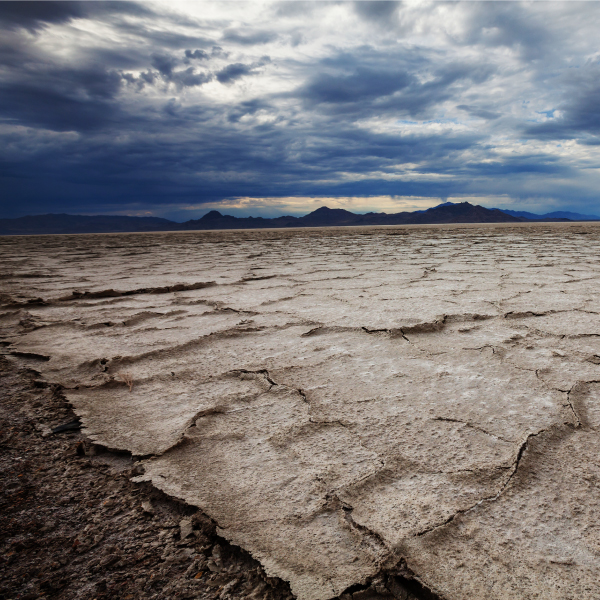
[{"x": 343, "y": 402}]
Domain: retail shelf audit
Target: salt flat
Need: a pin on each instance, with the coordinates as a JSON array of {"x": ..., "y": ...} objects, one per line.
[{"x": 343, "y": 401}]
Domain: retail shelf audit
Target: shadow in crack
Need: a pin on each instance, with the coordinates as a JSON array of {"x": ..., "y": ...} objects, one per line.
[{"x": 391, "y": 587}]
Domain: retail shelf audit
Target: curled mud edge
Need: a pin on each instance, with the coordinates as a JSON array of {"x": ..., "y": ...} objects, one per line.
[{"x": 76, "y": 526}]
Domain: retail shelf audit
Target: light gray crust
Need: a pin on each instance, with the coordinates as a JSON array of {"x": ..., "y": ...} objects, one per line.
[{"x": 340, "y": 400}]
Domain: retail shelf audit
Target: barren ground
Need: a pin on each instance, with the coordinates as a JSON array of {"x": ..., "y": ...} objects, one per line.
[{"x": 375, "y": 411}]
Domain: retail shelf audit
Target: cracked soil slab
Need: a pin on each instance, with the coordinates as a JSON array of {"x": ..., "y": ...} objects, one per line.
[{"x": 343, "y": 402}]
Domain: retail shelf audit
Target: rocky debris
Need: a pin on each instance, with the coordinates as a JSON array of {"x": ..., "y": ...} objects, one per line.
[
  {"x": 185, "y": 528},
  {"x": 147, "y": 507},
  {"x": 74, "y": 425}
]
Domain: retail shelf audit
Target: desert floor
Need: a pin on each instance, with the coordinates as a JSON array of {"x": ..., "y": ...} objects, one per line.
[{"x": 408, "y": 412}]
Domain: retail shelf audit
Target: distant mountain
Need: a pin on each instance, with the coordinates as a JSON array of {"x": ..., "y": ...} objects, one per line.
[
  {"x": 335, "y": 217},
  {"x": 572, "y": 216},
  {"x": 62, "y": 223},
  {"x": 462, "y": 212},
  {"x": 215, "y": 220},
  {"x": 443, "y": 204},
  {"x": 448, "y": 212},
  {"x": 558, "y": 214}
]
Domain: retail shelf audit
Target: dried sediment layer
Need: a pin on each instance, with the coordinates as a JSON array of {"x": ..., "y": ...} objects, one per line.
[{"x": 338, "y": 401}]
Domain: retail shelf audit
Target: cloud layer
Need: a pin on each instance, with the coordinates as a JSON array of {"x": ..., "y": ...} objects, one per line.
[{"x": 175, "y": 108}]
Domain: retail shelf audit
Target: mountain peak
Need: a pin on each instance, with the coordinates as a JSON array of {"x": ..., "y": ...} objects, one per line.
[
  {"x": 213, "y": 214},
  {"x": 326, "y": 211}
]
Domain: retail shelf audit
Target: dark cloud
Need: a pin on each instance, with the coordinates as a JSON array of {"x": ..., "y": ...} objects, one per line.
[
  {"x": 216, "y": 51},
  {"x": 197, "y": 54},
  {"x": 360, "y": 85},
  {"x": 495, "y": 24},
  {"x": 182, "y": 78},
  {"x": 381, "y": 11},
  {"x": 276, "y": 162},
  {"x": 50, "y": 109},
  {"x": 35, "y": 15},
  {"x": 166, "y": 39},
  {"x": 125, "y": 120},
  {"x": 281, "y": 164},
  {"x": 236, "y": 71},
  {"x": 189, "y": 78},
  {"x": 61, "y": 99},
  {"x": 164, "y": 64},
  {"x": 166, "y": 71},
  {"x": 250, "y": 107},
  {"x": 524, "y": 164},
  {"x": 477, "y": 111},
  {"x": 579, "y": 110},
  {"x": 109, "y": 8},
  {"x": 249, "y": 38},
  {"x": 412, "y": 89}
]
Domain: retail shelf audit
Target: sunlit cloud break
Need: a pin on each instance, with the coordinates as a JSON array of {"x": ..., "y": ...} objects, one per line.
[{"x": 173, "y": 109}]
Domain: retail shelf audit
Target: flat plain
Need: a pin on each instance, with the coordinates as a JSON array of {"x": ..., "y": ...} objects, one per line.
[{"x": 343, "y": 402}]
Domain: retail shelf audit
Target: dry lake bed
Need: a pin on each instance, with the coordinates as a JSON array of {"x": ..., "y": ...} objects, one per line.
[{"x": 345, "y": 402}]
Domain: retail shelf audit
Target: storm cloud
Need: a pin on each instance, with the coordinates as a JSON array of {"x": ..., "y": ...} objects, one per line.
[{"x": 119, "y": 107}]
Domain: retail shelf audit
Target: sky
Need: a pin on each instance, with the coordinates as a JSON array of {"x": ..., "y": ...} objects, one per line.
[{"x": 175, "y": 108}]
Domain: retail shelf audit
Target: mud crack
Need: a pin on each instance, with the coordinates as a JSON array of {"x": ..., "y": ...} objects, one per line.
[
  {"x": 471, "y": 426},
  {"x": 493, "y": 498}
]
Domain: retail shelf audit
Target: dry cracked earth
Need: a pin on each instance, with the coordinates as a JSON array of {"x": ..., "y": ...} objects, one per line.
[{"x": 408, "y": 412}]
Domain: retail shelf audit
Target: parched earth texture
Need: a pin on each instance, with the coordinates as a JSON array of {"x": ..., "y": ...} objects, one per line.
[{"x": 409, "y": 412}]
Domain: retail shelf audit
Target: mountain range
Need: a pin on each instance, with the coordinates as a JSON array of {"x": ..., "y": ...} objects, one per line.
[
  {"x": 557, "y": 214},
  {"x": 448, "y": 212}
]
